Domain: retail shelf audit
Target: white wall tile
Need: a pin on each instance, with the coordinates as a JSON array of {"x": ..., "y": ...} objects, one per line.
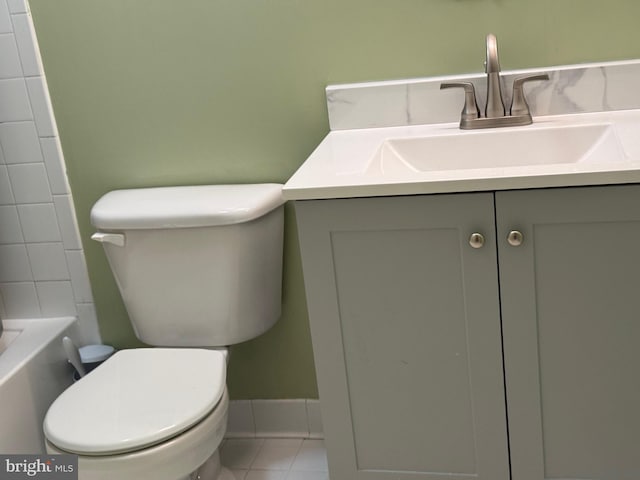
[
  {"x": 26, "y": 42},
  {"x": 79, "y": 276},
  {"x": 56, "y": 299},
  {"x": 280, "y": 418},
  {"x": 6, "y": 192},
  {"x": 14, "y": 101},
  {"x": 275, "y": 418},
  {"x": 29, "y": 182},
  {"x": 18, "y": 6},
  {"x": 10, "y": 66},
  {"x": 10, "y": 231},
  {"x": 48, "y": 261},
  {"x": 20, "y": 300},
  {"x": 88, "y": 324},
  {"x": 41, "y": 106},
  {"x": 27, "y": 177},
  {"x": 14, "y": 264},
  {"x": 67, "y": 222},
  {"x": 39, "y": 223},
  {"x": 5, "y": 18},
  {"x": 20, "y": 142},
  {"x": 55, "y": 165}
]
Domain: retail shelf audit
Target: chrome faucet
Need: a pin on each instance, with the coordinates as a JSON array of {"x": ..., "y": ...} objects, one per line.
[{"x": 494, "y": 112}]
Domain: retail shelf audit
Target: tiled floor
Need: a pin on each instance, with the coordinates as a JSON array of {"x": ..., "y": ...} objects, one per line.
[{"x": 275, "y": 458}]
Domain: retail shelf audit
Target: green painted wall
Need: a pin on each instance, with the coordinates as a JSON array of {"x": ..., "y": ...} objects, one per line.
[{"x": 166, "y": 92}]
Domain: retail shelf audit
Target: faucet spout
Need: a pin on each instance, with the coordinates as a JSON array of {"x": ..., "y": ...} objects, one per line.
[
  {"x": 492, "y": 65},
  {"x": 495, "y": 104}
]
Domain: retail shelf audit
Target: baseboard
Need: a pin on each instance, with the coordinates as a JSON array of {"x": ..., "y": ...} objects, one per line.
[{"x": 299, "y": 418}]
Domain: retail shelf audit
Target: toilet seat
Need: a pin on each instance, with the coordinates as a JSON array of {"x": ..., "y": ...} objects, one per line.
[
  {"x": 136, "y": 399},
  {"x": 169, "y": 460}
]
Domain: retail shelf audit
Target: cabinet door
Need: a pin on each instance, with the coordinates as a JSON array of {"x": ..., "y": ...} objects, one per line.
[
  {"x": 405, "y": 326},
  {"x": 571, "y": 320}
]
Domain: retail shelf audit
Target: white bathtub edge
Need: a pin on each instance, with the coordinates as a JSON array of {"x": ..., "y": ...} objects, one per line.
[{"x": 35, "y": 336}]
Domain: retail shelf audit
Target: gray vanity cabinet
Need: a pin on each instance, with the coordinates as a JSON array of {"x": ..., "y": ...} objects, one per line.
[
  {"x": 416, "y": 333},
  {"x": 406, "y": 334},
  {"x": 570, "y": 299}
]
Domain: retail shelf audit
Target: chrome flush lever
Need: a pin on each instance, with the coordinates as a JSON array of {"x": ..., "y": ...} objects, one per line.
[{"x": 113, "y": 238}]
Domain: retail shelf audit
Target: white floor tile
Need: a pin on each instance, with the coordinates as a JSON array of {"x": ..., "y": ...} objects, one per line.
[
  {"x": 297, "y": 475},
  {"x": 239, "y": 474},
  {"x": 277, "y": 454},
  {"x": 239, "y": 453},
  {"x": 283, "y": 442},
  {"x": 312, "y": 457},
  {"x": 266, "y": 475},
  {"x": 275, "y": 458}
]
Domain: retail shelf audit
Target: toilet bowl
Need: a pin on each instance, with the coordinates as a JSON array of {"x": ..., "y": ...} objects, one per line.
[
  {"x": 197, "y": 267},
  {"x": 125, "y": 422}
]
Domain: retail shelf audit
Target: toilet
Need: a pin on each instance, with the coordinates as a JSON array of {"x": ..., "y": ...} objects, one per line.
[{"x": 199, "y": 268}]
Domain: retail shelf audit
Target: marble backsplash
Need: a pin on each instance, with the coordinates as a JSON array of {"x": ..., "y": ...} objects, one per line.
[{"x": 570, "y": 89}]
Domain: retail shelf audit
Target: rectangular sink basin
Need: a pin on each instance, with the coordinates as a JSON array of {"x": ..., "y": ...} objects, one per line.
[{"x": 500, "y": 149}]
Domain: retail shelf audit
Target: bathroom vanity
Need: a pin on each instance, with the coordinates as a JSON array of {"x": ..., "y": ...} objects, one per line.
[
  {"x": 414, "y": 323},
  {"x": 476, "y": 320}
]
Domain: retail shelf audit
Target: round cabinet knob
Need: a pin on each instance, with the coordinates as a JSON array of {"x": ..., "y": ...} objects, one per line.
[
  {"x": 515, "y": 238},
  {"x": 476, "y": 240}
]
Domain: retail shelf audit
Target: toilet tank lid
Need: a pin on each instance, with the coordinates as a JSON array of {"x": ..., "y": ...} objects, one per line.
[{"x": 189, "y": 206}]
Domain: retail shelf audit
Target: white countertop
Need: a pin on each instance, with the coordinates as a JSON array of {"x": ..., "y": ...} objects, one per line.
[{"x": 347, "y": 163}]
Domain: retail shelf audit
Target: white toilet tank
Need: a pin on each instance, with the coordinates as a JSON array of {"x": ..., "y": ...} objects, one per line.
[{"x": 196, "y": 266}]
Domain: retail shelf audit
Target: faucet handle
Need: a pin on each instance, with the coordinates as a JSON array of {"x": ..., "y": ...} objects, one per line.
[
  {"x": 470, "y": 111},
  {"x": 519, "y": 105}
]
